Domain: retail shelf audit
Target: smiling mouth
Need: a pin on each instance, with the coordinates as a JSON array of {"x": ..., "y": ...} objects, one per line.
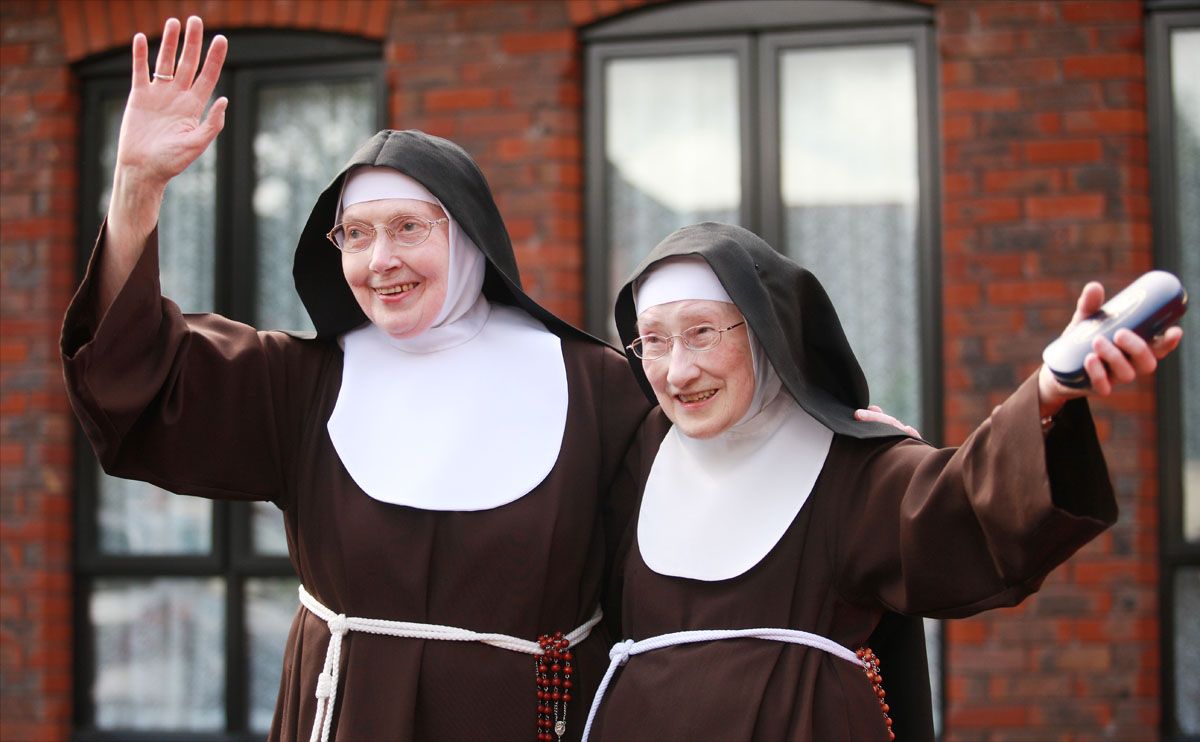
[
  {"x": 403, "y": 288},
  {"x": 696, "y": 397}
]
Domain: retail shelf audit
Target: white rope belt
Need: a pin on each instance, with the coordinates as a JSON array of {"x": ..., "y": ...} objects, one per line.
[
  {"x": 622, "y": 651},
  {"x": 340, "y": 624}
]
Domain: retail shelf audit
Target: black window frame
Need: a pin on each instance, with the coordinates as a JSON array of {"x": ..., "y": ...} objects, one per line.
[
  {"x": 255, "y": 58},
  {"x": 1174, "y": 553}
]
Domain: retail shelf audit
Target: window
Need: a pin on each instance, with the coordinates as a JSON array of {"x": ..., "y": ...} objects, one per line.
[
  {"x": 182, "y": 604},
  {"x": 1174, "y": 54},
  {"x": 811, "y": 124}
]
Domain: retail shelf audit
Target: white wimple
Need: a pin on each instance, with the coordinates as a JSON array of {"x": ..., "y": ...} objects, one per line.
[
  {"x": 622, "y": 651},
  {"x": 340, "y": 624}
]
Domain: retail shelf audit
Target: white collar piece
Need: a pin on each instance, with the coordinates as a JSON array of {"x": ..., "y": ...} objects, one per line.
[
  {"x": 713, "y": 509},
  {"x": 473, "y": 426}
]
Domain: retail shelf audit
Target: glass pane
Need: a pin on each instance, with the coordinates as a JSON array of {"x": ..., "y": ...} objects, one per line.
[
  {"x": 672, "y": 151},
  {"x": 139, "y": 518},
  {"x": 159, "y": 645},
  {"x": 136, "y": 517},
  {"x": 1187, "y": 650},
  {"x": 933, "y": 650},
  {"x": 850, "y": 197},
  {"x": 1185, "y": 60},
  {"x": 306, "y": 132},
  {"x": 270, "y": 605},
  {"x": 186, "y": 223},
  {"x": 266, "y": 530}
]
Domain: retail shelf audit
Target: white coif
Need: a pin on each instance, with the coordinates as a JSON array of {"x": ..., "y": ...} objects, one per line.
[
  {"x": 469, "y": 427},
  {"x": 714, "y": 508}
]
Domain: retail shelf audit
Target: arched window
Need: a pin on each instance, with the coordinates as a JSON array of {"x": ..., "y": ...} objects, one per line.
[{"x": 182, "y": 604}]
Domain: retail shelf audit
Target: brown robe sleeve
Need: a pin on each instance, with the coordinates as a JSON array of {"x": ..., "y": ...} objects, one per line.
[
  {"x": 195, "y": 404},
  {"x": 952, "y": 532}
]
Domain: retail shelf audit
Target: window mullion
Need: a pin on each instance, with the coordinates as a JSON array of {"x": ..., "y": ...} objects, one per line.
[
  {"x": 766, "y": 84},
  {"x": 236, "y": 214}
]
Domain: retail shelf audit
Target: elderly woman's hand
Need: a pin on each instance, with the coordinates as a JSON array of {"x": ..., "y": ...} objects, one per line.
[
  {"x": 875, "y": 414},
  {"x": 1109, "y": 364},
  {"x": 164, "y": 128}
]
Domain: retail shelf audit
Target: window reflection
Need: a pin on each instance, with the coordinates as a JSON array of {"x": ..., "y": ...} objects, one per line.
[
  {"x": 1187, "y": 649},
  {"x": 850, "y": 188},
  {"x": 186, "y": 222},
  {"x": 306, "y": 132},
  {"x": 267, "y": 530},
  {"x": 136, "y": 517},
  {"x": 270, "y": 606},
  {"x": 1185, "y": 92},
  {"x": 672, "y": 149},
  {"x": 159, "y": 653}
]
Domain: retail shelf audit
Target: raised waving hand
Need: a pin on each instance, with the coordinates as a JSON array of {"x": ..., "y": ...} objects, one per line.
[{"x": 163, "y": 130}]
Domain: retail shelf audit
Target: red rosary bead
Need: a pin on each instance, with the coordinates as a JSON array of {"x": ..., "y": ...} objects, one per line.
[
  {"x": 875, "y": 678},
  {"x": 552, "y": 673}
]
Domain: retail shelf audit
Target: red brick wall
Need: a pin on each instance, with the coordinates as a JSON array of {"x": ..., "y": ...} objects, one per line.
[
  {"x": 1045, "y": 184},
  {"x": 39, "y": 111}
]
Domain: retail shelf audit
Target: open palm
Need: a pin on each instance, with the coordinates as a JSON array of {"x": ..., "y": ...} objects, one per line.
[{"x": 164, "y": 128}]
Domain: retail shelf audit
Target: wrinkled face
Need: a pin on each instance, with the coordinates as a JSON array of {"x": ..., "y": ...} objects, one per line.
[
  {"x": 401, "y": 289},
  {"x": 703, "y": 392}
]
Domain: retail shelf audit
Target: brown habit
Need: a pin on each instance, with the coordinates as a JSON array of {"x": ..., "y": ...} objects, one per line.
[
  {"x": 892, "y": 526},
  {"x": 206, "y": 406}
]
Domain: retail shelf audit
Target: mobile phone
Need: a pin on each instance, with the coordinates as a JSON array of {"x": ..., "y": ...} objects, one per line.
[{"x": 1149, "y": 305}]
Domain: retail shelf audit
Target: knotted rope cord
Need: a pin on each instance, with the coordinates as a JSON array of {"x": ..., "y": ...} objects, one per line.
[
  {"x": 622, "y": 651},
  {"x": 340, "y": 624}
]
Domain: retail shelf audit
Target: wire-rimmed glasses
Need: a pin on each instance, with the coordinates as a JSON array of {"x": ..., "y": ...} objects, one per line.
[
  {"x": 403, "y": 229},
  {"x": 651, "y": 346}
]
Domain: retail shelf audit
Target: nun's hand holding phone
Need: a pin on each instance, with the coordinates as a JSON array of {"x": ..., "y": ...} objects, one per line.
[
  {"x": 163, "y": 130},
  {"x": 1108, "y": 363}
]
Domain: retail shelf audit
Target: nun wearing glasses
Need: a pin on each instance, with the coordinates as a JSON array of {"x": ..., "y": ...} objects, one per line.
[
  {"x": 440, "y": 451},
  {"x": 773, "y": 532}
]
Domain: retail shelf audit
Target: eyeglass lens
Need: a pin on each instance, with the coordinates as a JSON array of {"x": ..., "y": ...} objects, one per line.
[
  {"x": 700, "y": 337},
  {"x": 404, "y": 230}
]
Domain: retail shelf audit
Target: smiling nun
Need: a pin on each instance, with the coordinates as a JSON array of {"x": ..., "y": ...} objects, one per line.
[
  {"x": 774, "y": 533},
  {"x": 440, "y": 450}
]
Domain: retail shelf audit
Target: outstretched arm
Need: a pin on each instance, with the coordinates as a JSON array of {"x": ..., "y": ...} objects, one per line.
[{"x": 163, "y": 131}]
